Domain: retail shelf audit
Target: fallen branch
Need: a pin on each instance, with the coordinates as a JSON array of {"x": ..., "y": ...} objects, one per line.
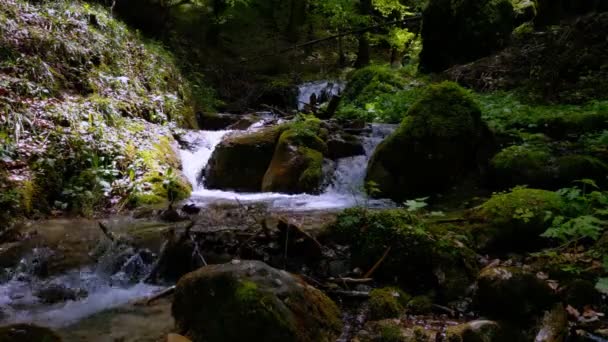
[
  {"x": 353, "y": 294},
  {"x": 162, "y": 294},
  {"x": 275, "y": 110},
  {"x": 451, "y": 312},
  {"x": 106, "y": 232},
  {"x": 378, "y": 263},
  {"x": 350, "y": 280},
  {"x": 343, "y": 34}
]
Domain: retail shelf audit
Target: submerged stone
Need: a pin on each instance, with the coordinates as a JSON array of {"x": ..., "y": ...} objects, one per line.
[{"x": 27, "y": 333}]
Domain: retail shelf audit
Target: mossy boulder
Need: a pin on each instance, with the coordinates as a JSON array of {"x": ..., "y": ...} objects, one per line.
[
  {"x": 515, "y": 220},
  {"x": 27, "y": 333},
  {"x": 511, "y": 293},
  {"x": 297, "y": 164},
  {"x": 365, "y": 84},
  {"x": 416, "y": 257},
  {"x": 434, "y": 147},
  {"x": 235, "y": 301},
  {"x": 457, "y": 31},
  {"x": 387, "y": 302},
  {"x": 239, "y": 162},
  {"x": 522, "y": 165},
  {"x": 420, "y": 305}
]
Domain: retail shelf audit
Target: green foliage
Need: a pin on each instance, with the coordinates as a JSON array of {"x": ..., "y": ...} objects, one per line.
[
  {"x": 412, "y": 251},
  {"x": 583, "y": 216},
  {"x": 505, "y": 112}
]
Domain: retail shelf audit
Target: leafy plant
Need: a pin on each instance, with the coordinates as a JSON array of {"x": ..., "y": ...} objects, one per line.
[{"x": 584, "y": 215}]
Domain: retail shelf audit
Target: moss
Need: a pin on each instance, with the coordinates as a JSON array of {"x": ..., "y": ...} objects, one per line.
[
  {"x": 390, "y": 333},
  {"x": 415, "y": 255},
  {"x": 256, "y": 300},
  {"x": 522, "y": 165},
  {"x": 387, "y": 302},
  {"x": 367, "y": 83},
  {"x": 297, "y": 164},
  {"x": 440, "y": 135},
  {"x": 420, "y": 305},
  {"x": 515, "y": 220}
]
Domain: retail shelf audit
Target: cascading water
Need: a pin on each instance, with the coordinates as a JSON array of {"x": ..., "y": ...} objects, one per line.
[
  {"x": 345, "y": 189},
  {"x": 323, "y": 90},
  {"x": 64, "y": 299}
]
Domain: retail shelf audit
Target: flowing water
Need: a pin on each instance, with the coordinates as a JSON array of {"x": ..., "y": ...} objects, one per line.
[
  {"x": 115, "y": 279},
  {"x": 345, "y": 189},
  {"x": 323, "y": 90}
]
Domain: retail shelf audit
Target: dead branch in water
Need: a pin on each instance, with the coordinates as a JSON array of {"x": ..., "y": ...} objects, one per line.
[
  {"x": 378, "y": 263},
  {"x": 106, "y": 231}
]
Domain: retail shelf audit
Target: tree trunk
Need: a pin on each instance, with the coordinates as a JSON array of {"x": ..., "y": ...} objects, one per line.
[{"x": 363, "y": 53}]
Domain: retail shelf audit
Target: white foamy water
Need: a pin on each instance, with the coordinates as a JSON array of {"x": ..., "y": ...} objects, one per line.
[
  {"x": 20, "y": 305},
  {"x": 321, "y": 89},
  {"x": 345, "y": 189}
]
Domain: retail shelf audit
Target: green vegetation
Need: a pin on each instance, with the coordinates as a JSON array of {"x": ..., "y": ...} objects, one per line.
[
  {"x": 413, "y": 250},
  {"x": 85, "y": 100}
]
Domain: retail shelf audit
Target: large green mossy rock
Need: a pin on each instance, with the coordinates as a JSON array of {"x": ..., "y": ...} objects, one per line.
[
  {"x": 435, "y": 146},
  {"x": 387, "y": 302},
  {"x": 461, "y": 31},
  {"x": 515, "y": 220},
  {"x": 297, "y": 164},
  {"x": 418, "y": 257},
  {"x": 240, "y": 162},
  {"x": 249, "y": 300},
  {"x": 27, "y": 333}
]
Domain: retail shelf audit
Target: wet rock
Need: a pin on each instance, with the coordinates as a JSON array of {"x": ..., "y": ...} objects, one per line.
[
  {"x": 216, "y": 121},
  {"x": 27, "y": 333},
  {"x": 511, "y": 293},
  {"x": 475, "y": 331},
  {"x": 56, "y": 293},
  {"x": 343, "y": 146},
  {"x": 554, "y": 326},
  {"x": 191, "y": 209},
  {"x": 241, "y": 299},
  {"x": 239, "y": 162},
  {"x": 438, "y": 142}
]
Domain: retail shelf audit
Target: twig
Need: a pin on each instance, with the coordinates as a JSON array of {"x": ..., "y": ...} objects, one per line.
[
  {"x": 197, "y": 250},
  {"x": 445, "y": 308},
  {"x": 378, "y": 263},
  {"x": 354, "y": 294},
  {"x": 275, "y": 109},
  {"x": 347, "y": 280},
  {"x": 162, "y": 294}
]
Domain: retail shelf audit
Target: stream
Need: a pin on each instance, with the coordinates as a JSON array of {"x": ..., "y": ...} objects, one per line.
[{"x": 98, "y": 291}]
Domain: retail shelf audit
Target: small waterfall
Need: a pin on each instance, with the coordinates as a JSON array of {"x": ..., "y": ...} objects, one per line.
[
  {"x": 194, "y": 158},
  {"x": 345, "y": 189},
  {"x": 323, "y": 90}
]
